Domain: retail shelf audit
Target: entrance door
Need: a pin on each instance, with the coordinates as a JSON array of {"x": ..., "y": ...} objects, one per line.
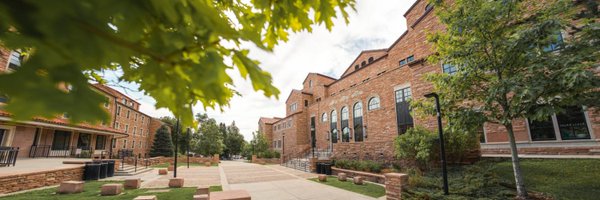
[{"x": 403, "y": 117}]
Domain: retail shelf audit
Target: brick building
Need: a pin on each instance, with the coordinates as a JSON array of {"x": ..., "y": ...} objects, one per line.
[
  {"x": 358, "y": 115},
  {"x": 129, "y": 128}
]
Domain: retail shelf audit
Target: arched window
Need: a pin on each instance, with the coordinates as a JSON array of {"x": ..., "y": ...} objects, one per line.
[
  {"x": 344, "y": 123},
  {"x": 356, "y": 67},
  {"x": 363, "y": 63},
  {"x": 324, "y": 117},
  {"x": 358, "y": 122},
  {"x": 333, "y": 127},
  {"x": 370, "y": 59},
  {"x": 428, "y": 7},
  {"x": 345, "y": 134},
  {"x": 373, "y": 103}
]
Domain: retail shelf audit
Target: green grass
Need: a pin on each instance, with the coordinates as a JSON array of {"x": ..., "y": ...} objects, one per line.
[
  {"x": 92, "y": 191},
  {"x": 368, "y": 189},
  {"x": 179, "y": 164},
  {"x": 559, "y": 178}
]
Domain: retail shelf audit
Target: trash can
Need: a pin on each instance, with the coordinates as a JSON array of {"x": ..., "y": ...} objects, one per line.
[
  {"x": 91, "y": 171},
  {"x": 103, "y": 168},
  {"x": 319, "y": 168},
  {"x": 326, "y": 167},
  {"x": 110, "y": 171}
]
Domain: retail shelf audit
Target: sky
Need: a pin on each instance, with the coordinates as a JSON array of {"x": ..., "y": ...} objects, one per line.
[{"x": 375, "y": 24}]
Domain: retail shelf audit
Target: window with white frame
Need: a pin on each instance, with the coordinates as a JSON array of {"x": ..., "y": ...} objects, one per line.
[
  {"x": 293, "y": 107},
  {"x": 373, "y": 103}
]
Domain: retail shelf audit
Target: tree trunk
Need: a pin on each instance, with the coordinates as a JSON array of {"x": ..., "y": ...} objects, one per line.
[{"x": 521, "y": 191}]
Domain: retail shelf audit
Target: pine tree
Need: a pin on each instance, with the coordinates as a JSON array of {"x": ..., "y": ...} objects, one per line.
[{"x": 163, "y": 145}]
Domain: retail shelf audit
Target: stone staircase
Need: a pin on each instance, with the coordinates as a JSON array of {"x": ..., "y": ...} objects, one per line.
[{"x": 130, "y": 170}]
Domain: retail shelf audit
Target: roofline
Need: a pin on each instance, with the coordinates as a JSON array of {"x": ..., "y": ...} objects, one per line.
[
  {"x": 298, "y": 112},
  {"x": 118, "y": 92},
  {"x": 69, "y": 126},
  {"x": 355, "y": 71},
  {"x": 411, "y": 7},
  {"x": 398, "y": 40},
  {"x": 361, "y": 53},
  {"x": 329, "y": 77}
]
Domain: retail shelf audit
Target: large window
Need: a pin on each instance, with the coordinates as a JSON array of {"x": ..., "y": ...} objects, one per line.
[
  {"x": 61, "y": 141},
  {"x": 358, "y": 122},
  {"x": 100, "y": 142},
  {"x": 542, "y": 130},
  {"x": 84, "y": 141},
  {"x": 344, "y": 123},
  {"x": 571, "y": 124},
  {"x": 324, "y": 117},
  {"x": 403, "y": 117},
  {"x": 333, "y": 127},
  {"x": 373, "y": 103}
]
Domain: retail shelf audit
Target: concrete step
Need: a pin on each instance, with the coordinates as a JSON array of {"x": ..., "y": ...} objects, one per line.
[{"x": 132, "y": 172}]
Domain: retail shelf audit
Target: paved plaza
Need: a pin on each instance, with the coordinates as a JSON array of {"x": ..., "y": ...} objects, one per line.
[{"x": 263, "y": 182}]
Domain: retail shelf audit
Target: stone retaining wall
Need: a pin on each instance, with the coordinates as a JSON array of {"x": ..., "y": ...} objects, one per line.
[
  {"x": 372, "y": 177},
  {"x": 26, "y": 181}
]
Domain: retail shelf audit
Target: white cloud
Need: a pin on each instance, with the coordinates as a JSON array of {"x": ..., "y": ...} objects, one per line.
[{"x": 376, "y": 24}]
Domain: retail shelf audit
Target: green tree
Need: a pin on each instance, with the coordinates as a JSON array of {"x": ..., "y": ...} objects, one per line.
[
  {"x": 176, "y": 51},
  {"x": 182, "y": 141},
  {"x": 259, "y": 143},
  {"x": 511, "y": 64},
  {"x": 211, "y": 139},
  {"x": 233, "y": 140},
  {"x": 162, "y": 146}
]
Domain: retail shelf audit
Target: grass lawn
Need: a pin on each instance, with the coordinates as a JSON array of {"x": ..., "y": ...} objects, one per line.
[
  {"x": 179, "y": 164},
  {"x": 368, "y": 189},
  {"x": 559, "y": 178},
  {"x": 92, "y": 191}
]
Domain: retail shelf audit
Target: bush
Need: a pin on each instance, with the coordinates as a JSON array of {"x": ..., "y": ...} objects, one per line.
[
  {"x": 359, "y": 165},
  {"x": 417, "y": 146},
  {"x": 268, "y": 154}
]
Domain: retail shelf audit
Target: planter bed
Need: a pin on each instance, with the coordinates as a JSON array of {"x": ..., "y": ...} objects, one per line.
[{"x": 372, "y": 177}]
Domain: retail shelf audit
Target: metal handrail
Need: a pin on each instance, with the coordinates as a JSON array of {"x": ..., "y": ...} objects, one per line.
[{"x": 8, "y": 156}]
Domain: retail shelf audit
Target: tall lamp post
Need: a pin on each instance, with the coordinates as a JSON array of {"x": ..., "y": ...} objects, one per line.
[
  {"x": 187, "y": 153},
  {"x": 441, "y": 133},
  {"x": 175, "y": 153}
]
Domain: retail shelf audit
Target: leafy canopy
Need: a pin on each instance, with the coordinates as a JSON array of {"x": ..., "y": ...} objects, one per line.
[
  {"x": 505, "y": 69},
  {"x": 177, "y": 51}
]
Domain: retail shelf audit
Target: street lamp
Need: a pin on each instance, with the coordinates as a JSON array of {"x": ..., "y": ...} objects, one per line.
[
  {"x": 441, "y": 133},
  {"x": 176, "y": 141},
  {"x": 189, "y": 132}
]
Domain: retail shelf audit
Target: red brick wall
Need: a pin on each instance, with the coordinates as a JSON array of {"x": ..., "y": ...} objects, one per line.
[
  {"x": 4, "y": 55},
  {"x": 380, "y": 79}
]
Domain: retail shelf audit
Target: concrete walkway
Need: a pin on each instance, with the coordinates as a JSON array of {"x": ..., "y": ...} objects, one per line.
[
  {"x": 266, "y": 182},
  {"x": 263, "y": 182}
]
